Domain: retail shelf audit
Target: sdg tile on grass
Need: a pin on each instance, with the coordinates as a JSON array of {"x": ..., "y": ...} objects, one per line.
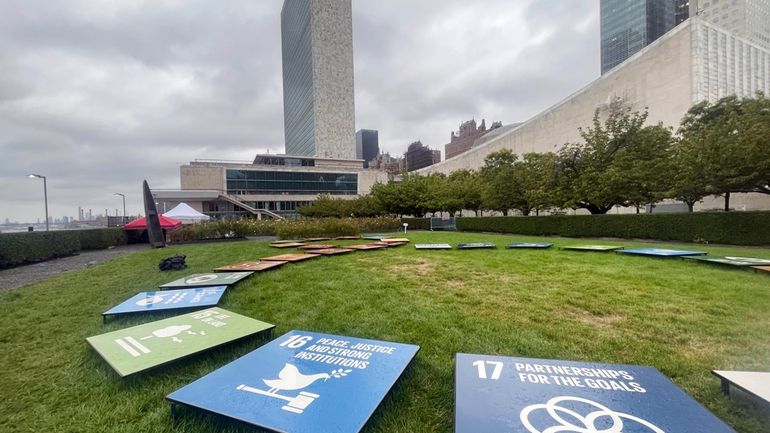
[
  {"x": 661, "y": 252},
  {"x": 288, "y": 245},
  {"x": 331, "y": 251},
  {"x": 476, "y": 246},
  {"x": 255, "y": 266},
  {"x": 733, "y": 261},
  {"x": 291, "y": 257},
  {"x": 498, "y": 394},
  {"x": 207, "y": 280},
  {"x": 147, "y": 302},
  {"x": 596, "y": 248},
  {"x": 366, "y": 247},
  {"x": 525, "y": 245},
  {"x": 432, "y": 247},
  {"x": 303, "y": 382},
  {"x": 131, "y": 350}
]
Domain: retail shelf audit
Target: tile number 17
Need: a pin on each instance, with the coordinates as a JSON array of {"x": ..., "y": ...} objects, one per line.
[{"x": 482, "y": 367}]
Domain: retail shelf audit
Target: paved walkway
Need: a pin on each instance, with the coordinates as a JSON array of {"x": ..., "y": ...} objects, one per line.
[{"x": 23, "y": 275}]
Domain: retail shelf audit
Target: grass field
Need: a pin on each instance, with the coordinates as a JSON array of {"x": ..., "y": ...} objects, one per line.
[{"x": 681, "y": 317}]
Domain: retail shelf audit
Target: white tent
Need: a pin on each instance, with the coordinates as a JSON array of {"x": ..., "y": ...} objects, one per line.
[{"x": 183, "y": 212}]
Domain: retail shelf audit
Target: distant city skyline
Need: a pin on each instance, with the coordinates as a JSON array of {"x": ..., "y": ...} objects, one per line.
[{"x": 202, "y": 80}]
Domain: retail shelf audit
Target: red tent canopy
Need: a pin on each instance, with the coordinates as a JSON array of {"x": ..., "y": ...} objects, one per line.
[{"x": 166, "y": 223}]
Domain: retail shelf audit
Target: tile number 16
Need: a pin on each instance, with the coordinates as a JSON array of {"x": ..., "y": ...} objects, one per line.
[{"x": 482, "y": 367}]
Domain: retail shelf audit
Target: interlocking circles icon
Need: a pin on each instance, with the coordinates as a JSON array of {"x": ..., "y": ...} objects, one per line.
[{"x": 600, "y": 420}]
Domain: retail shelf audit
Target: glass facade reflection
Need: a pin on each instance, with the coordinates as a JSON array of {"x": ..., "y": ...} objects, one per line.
[
  {"x": 253, "y": 182},
  {"x": 627, "y": 26},
  {"x": 297, "y": 78}
]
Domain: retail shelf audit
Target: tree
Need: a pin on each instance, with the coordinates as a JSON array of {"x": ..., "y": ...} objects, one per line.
[
  {"x": 687, "y": 177},
  {"x": 466, "y": 187},
  {"x": 499, "y": 192},
  {"x": 616, "y": 163},
  {"x": 732, "y": 136},
  {"x": 643, "y": 168},
  {"x": 535, "y": 176}
]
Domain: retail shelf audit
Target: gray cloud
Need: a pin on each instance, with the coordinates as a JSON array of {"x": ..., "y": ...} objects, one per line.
[{"x": 100, "y": 95}]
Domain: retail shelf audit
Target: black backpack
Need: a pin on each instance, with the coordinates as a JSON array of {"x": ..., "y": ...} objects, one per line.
[{"x": 174, "y": 263}]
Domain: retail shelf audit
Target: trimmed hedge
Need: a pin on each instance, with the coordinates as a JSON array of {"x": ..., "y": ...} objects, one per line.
[
  {"x": 19, "y": 248},
  {"x": 329, "y": 227},
  {"x": 100, "y": 239},
  {"x": 735, "y": 228},
  {"x": 283, "y": 229},
  {"x": 417, "y": 223},
  {"x": 29, "y": 247}
]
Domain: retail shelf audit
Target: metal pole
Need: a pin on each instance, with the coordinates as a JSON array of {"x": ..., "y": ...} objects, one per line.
[
  {"x": 45, "y": 197},
  {"x": 124, "y": 206}
]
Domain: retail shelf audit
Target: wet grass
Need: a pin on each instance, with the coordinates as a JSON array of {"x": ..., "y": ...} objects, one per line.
[{"x": 681, "y": 317}]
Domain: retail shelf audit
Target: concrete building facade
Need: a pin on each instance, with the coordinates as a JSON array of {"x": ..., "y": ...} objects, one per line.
[
  {"x": 317, "y": 55},
  {"x": 274, "y": 186},
  {"x": 392, "y": 165},
  {"x": 419, "y": 156},
  {"x": 463, "y": 140},
  {"x": 748, "y": 19},
  {"x": 696, "y": 61}
]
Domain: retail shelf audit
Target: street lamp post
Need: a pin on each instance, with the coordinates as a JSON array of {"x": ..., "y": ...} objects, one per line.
[
  {"x": 124, "y": 205},
  {"x": 45, "y": 195}
]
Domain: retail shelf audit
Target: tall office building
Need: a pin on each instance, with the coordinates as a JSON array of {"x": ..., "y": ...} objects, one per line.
[
  {"x": 367, "y": 145},
  {"x": 318, "y": 106},
  {"x": 627, "y": 26},
  {"x": 681, "y": 11}
]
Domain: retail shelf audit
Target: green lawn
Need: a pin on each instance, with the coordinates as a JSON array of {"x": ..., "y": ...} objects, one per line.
[{"x": 681, "y": 317}]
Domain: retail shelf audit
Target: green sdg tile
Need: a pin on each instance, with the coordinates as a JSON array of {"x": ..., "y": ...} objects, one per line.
[
  {"x": 131, "y": 350},
  {"x": 602, "y": 248}
]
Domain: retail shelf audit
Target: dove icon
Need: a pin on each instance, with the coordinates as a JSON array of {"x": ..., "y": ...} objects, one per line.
[{"x": 290, "y": 379}]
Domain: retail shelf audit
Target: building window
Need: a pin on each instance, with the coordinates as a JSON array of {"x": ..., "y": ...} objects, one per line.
[{"x": 279, "y": 182}]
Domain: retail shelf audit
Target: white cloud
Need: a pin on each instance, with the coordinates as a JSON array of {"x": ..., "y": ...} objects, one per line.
[{"x": 99, "y": 95}]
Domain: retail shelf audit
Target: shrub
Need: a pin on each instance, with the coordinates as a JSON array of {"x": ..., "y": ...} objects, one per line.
[
  {"x": 284, "y": 229},
  {"x": 417, "y": 223},
  {"x": 21, "y": 248},
  {"x": 99, "y": 239},
  {"x": 378, "y": 224},
  {"x": 737, "y": 228},
  {"x": 329, "y": 227}
]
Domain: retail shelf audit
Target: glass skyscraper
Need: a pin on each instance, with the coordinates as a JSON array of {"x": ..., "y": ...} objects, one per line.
[
  {"x": 627, "y": 26},
  {"x": 318, "y": 106}
]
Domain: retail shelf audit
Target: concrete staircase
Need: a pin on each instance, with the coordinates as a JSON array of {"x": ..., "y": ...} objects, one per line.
[{"x": 260, "y": 213}]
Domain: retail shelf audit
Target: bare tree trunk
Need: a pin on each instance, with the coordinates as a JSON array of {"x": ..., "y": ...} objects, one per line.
[{"x": 727, "y": 202}]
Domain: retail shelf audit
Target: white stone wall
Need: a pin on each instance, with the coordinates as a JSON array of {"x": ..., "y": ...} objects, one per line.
[
  {"x": 747, "y": 19},
  {"x": 333, "y": 94},
  {"x": 367, "y": 179},
  {"x": 192, "y": 177},
  {"x": 725, "y": 64}
]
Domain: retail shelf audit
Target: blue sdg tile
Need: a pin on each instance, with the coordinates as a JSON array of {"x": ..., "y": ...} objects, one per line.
[
  {"x": 169, "y": 300},
  {"x": 661, "y": 252},
  {"x": 303, "y": 382},
  {"x": 496, "y": 394}
]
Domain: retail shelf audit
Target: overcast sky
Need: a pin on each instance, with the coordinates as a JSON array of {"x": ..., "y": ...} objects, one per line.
[{"x": 99, "y": 95}]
